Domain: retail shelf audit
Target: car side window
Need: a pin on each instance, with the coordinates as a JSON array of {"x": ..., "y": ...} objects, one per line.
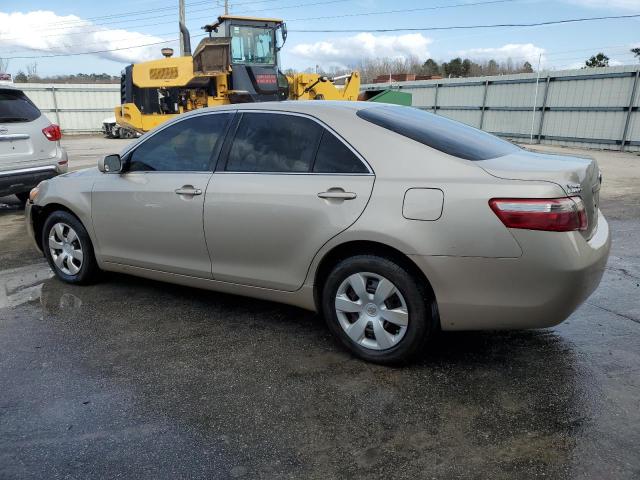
[
  {"x": 271, "y": 142},
  {"x": 335, "y": 157},
  {"x": 186, "y": 146}
]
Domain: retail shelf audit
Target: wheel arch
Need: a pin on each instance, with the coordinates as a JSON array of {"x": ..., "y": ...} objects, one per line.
[
  {"x": 363, "y": 247},
  {"x": 42, "y": 215}
]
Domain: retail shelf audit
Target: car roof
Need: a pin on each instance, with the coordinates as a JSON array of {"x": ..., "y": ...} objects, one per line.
[
  {"x": 300, "y": 106},
  {"x": 9, "y": 86}
]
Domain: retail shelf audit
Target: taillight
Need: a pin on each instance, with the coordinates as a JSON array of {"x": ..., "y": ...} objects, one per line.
[
  {"x": 551, "y": 214},
  {"x": 52, "y": 132}
]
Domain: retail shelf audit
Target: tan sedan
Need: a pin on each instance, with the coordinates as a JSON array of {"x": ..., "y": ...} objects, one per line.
[{"x": 390, "y": 221}]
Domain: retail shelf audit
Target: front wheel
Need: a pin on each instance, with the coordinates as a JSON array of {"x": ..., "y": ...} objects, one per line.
[
  {"x": 378, "y": 309},
  {"x": 68, "y": 249}
]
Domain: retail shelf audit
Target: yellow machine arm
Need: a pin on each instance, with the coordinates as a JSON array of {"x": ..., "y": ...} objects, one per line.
[{"x": 311, "y": 86}]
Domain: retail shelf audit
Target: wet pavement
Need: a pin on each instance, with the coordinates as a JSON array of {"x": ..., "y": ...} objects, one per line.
[{"x": 132, "y": 378}]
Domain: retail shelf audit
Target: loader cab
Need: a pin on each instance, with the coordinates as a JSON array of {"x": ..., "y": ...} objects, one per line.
[{"x": 253, "y": 47}]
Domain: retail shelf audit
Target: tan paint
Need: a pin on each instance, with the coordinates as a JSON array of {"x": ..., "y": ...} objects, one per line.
[{"x": 484, "y": 275}]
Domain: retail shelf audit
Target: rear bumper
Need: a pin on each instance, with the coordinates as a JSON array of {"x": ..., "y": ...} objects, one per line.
[
  {"x": 557, "y": 272},
  {"x": 23, "y": 179}
]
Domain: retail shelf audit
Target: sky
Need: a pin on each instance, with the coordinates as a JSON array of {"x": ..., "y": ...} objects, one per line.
[{"x": 37, "y": 28}]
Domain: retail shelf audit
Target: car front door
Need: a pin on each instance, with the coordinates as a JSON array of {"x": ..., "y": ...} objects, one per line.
[
  {"x": 150, "y": 215},
  {"x": 284, "y": 187}
]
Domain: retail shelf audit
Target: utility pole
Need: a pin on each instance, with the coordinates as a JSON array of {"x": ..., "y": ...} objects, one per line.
[
  {"x": 535, "y": 99},
  {"x": 181, "y": 15}
]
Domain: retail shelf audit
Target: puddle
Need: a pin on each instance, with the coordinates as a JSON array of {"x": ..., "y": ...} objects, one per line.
[{"x": 23, "y": 284}]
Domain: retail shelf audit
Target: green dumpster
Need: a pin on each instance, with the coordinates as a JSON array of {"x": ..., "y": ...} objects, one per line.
[{"x": 394, "y": 97}]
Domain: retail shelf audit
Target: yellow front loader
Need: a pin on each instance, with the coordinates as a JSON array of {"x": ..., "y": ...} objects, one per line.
[{"x": 237, "y": 63}]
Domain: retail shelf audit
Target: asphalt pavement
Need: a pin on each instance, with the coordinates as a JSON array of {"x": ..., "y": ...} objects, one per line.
[{"x": 131, "y": 378}]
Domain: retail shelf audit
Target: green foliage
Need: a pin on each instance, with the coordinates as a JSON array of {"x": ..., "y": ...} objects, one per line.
[
  {"x": 430, "y": 67},
  {"x": 20, "y": 77},
  {"x": 597, "y": 61}
]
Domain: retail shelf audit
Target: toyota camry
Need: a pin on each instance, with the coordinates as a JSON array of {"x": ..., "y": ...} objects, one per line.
[{"x": 391, "y": 222}]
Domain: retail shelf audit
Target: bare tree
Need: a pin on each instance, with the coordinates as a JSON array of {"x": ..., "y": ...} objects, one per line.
[
  {"x": 32, "y": 72},
  {"x": 4, "y": 65}
]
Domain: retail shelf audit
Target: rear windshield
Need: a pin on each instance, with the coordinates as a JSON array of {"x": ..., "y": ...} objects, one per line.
[
  {"x": 16, "y": 107},
  {"x": 437, "y": 132}
]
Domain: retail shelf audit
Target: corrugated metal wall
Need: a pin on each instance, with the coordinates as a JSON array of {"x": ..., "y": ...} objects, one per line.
[
  {"x": 595, "y": 108},
  {"x": 77, "y": 108},
  {"x": 592, "y": 108}
]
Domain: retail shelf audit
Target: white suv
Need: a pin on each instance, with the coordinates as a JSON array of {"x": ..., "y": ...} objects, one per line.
[{"x": 30, "y": 148}]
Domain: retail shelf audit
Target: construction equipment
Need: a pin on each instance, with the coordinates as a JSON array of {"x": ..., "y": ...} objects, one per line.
[{"x": 237, "y": 63}]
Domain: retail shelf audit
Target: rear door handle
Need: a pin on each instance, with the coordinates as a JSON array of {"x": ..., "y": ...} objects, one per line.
[
  {"x": 188, "y": 190},
  {"x": 337, "y": 194}
]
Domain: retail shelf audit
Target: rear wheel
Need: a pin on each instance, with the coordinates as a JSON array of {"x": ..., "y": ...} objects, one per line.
[
  {"x": 68, "y": 248},
  {"x": 378, "y": 309}
]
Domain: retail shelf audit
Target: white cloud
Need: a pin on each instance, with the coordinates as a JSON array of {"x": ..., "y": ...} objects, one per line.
[
  {"x": 518, "y": 52},
  {"x": 45, "y": 31},
  {"x": 609, "y": 4},
  {"x": 347, "y": 51}
]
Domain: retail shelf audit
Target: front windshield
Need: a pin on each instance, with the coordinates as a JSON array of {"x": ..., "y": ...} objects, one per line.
[{"x": 252, "y": 45}]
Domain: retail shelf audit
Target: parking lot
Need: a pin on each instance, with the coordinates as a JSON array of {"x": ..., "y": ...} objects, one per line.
[{"x": 135, "y": 378}]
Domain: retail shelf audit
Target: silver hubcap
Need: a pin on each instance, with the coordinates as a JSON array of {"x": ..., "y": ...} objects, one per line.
[
  {"x": 371, "y": 311},
  {"x": 65, "y": 248}
]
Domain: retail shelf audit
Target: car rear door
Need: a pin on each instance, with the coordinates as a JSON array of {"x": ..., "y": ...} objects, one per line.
[
  {"x": 150, "y": 216},
  {"x": 286, "y": 185}
]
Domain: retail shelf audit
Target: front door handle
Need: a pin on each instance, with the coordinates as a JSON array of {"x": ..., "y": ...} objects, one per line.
[
  {"x": 337, "y": 194},
  {"x": 188, "y": 190}
]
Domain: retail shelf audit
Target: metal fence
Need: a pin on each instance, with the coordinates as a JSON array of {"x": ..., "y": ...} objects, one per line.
[
  {"x": 594, "y": 108},
  {"x": 77, "y": 108}
]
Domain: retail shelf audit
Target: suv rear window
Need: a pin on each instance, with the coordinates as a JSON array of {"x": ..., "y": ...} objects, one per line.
[
  {"x": 448, "y": 136},
  {"x": 16, "y": 107}
]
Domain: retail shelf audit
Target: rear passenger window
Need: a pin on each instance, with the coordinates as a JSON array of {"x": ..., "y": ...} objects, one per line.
[
  {"x": 335, "y": 157},
  {"x": 271, "y": 142}
]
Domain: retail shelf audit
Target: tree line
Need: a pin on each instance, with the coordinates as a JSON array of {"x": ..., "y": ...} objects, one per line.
[{"x": 458, "y": 67}]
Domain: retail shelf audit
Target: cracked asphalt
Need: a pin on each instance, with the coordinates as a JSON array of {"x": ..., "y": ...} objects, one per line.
[{"x": 131, "y": 378}]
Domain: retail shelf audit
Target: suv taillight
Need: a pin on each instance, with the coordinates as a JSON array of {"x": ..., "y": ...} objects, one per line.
[
  {"x": 52, "y": 132},
  {"x": 550, "y": 214}
]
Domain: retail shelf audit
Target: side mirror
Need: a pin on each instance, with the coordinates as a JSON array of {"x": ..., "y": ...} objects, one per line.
[{"x": 110, "y": 164}]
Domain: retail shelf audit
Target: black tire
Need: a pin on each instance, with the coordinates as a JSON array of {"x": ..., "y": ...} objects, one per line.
[
  {"x": 88, "y": 270},
  {"x": 421, "y": 306},
  {"x": 22, "y": 197}
]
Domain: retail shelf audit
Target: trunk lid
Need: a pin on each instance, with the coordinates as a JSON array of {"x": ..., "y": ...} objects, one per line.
[{"x": 578, "y": 176}]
